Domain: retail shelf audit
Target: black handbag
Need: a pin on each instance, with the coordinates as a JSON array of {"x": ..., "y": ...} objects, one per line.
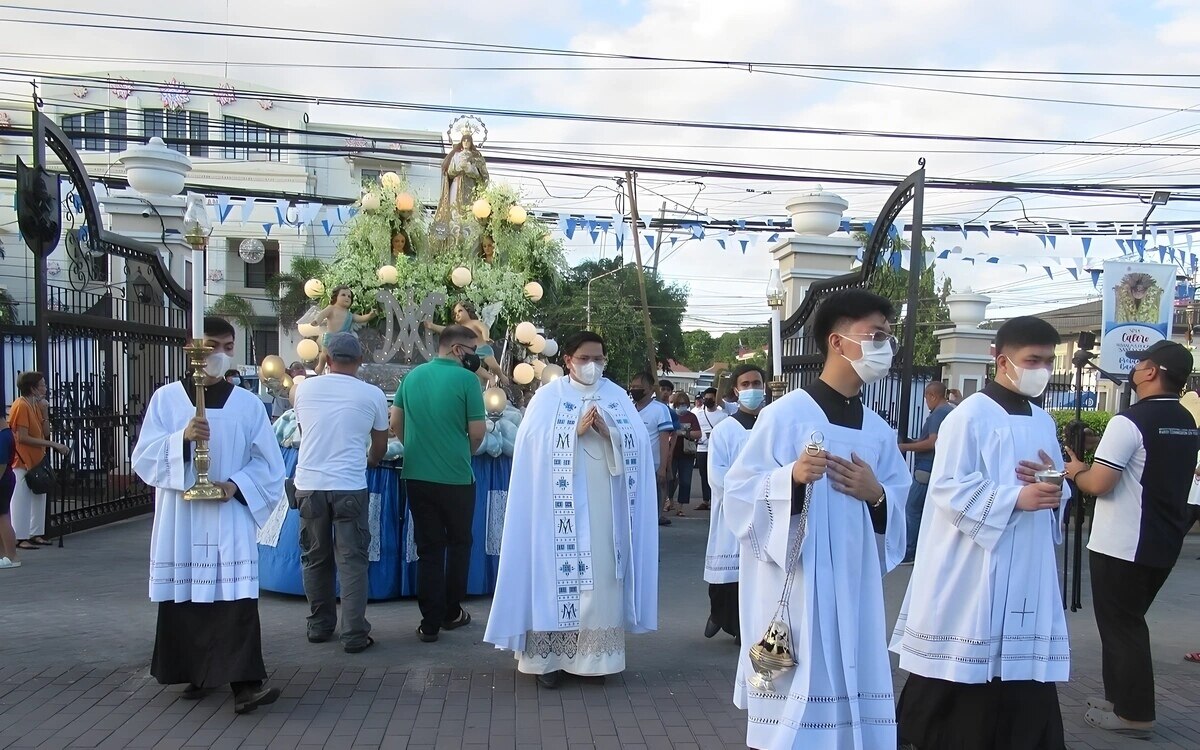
[{"x": 40, "y": 478}]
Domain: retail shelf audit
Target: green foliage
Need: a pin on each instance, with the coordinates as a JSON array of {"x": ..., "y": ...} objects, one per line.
[
  {"x": 524, "y": 253},
  {"x": 237, "y": 309},
  {"x": 1097, "y": 420},
  {"x": 703, "y": 350},
  {"x": 286, "y": 291},
  {"x": 616, "y": 313},
  {"x": 932, "y": 311}
]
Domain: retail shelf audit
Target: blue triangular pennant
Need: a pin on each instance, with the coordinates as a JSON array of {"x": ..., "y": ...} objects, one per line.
[
  {"x": 1074, "y": 272},
  {"x": 773, "y": 238},
  {"x": 1095, "y": 279},
  {"x": 267, "y": 228},
  {"x": 1048, "y": 272},
  {"x": 944, "y": 254},
  {"x": 721, "y": 243},
  {"x": 1053, "y": 240},
  {"x": 327, "y": 227},
  {"x": 673, "y": 240},
  {"x": 1087, "y": 245},
  {"x": 594, "y": 233},
  {"x": 650, "y": 241},
  {"x": 743, "y": 243},
  {"x": 1042, "y": 237}
]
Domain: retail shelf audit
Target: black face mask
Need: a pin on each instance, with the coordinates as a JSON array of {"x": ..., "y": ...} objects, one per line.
[
  {"x": 710, "y": 402},
  {"x": 471, "y": 361},
  {"x": 637, "y": 394}
]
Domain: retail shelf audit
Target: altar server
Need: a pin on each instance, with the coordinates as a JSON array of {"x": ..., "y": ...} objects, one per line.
[
  {"x": 579, "y": 555},
  {"x": 724, "y": 444},
  {"x": 982, "y": 630},
  {"x": 203, "y": 553},
  {"x": 820, "y": 447}
]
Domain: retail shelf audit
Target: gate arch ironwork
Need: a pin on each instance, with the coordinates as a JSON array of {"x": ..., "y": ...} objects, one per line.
[
  {"x": 802, "y": 359},
  {"x": 103, "y": 352}
]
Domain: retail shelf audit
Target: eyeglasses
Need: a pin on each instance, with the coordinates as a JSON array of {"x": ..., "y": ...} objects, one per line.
[
  {"x": 879, "y": 337},
  {"x": 588, "y": 360}
]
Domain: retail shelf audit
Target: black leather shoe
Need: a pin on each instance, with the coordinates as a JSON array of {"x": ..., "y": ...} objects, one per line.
[
  {"x": 319, "y": 637},
  {"x": 550, "y": 680},
  {"x": 252, "y": 699},
  {"x": 194, "y": 692},
  {"x": 426, "y": 637},
  {"x": 711, "y": 629}
]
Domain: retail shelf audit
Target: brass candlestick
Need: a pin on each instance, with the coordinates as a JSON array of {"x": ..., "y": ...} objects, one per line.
[
  {"x": 203, "y": 489},
  {"x": 778, "y": 387}
]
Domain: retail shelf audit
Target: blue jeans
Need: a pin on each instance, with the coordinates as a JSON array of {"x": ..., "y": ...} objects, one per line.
[
  {"x": 681, "y": 477},
  {"x": 913, "y": 509}
]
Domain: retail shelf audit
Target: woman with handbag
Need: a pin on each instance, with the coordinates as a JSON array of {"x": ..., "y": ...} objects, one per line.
[
  {"x": 683, "y": 461},
  {"x": 29, "y": 419}
]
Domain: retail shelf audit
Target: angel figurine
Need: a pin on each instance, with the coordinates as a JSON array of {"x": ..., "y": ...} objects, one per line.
[{"x": 465, "y": 315}]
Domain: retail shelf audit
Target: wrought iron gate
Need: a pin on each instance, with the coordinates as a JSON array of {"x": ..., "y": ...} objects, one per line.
[
  {"x": 802, "y": 359},
  {"x": 103, "y": 351}
]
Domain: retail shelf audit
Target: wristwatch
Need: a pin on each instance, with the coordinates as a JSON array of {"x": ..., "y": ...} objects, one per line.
[{"x": 879, "y": 502}]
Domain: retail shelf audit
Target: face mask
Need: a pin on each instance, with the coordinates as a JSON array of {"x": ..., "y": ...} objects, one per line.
[
  {"x": 236, "y": 381},
  {"x": 471, "y": 361},
  {"x": 710, "y": 402},
  {"x": 681, "y": 410},
  {"x": 1030, "y": 383},
  {"x": 589, "y": 373},
  {"x": 216, "y": 364},
  {"x": 751, "y": 398},
  {"x": 875, "y": 361},
  {"x": 637, "y": 394}
]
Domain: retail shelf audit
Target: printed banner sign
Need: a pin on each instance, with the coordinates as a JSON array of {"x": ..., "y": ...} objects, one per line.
[{"x": 1138, "y": 305}]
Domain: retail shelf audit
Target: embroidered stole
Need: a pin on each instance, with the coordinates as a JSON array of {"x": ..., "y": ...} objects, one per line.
[{"x": 573, "y": 558}]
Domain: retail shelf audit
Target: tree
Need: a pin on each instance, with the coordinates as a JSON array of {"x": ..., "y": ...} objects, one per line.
[
  {"x": 616, "y": 313},
  {"x": 891, "y": 281},
  {"x": 699, "y": 349},
  {"x": 286, "y": 290}
]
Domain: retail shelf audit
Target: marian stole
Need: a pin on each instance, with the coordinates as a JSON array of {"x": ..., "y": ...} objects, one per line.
[{"x": 573, "y": 555}]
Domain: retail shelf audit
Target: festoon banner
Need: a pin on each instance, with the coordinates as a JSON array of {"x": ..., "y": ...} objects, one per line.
[{"x": 1137, "y": 306}]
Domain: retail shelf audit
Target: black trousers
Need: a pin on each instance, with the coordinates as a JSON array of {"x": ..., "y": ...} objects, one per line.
[
  {"x": 705, "y": 487},
  {"x": 940, "y": 715},
  {"x": 442, "y": 515},
  {"x": 1122, "y": 592}
]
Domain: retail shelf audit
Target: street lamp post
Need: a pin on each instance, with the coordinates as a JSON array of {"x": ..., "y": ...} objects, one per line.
[
  {"x": 775, "y": 300},
  {"x": 589, "y": 294}
]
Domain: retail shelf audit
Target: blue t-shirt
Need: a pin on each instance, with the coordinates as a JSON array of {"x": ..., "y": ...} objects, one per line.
[{"x": 923, "y": 461}]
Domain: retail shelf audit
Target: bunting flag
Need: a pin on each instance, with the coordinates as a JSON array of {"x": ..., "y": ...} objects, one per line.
[
  {"x": 1042, "y": 237},
  {"x": 962, "y": 228},
  {"x": 247, "y": 209},
  {"x": 741, "y": 224},
  {"x": 649, "y": 241},
  {"x": 869, "y": 227},
  {"x": 721, "y": 243},
  {"x": 987, "y": 229},
  {"x": 743, "y": 243},
  {"x": 594, "y": 233},
  {"x": 281, "y": 207},
  {"x": 673, "y": 239},
  {"x": 566, "y": 225},
  {"x": 267, "y": 228},
  {"x": 309, "y": 211},
  {"x": 1048, "y": 272},
  {"x": 1074, "y": 273},
  {"x": 1162, "y": 254},
  {"x": 1087, "y": 245},
  {"x": 1141, "y": 248},
  {"x": 327, "y": 227},
  {"x": 1095, "y": 278},
  {"x": 621, "y": 228},
  {"x": 223, "y": 208},
  {"x": 844, "y": 226},
  {"x": 775, "y": 238},
  {"x": 696, "y": 228},
  {"x": 1053, "y": 240},
  {"x": 1121, "y": 244},
  {"x": 942, "y": 255}
]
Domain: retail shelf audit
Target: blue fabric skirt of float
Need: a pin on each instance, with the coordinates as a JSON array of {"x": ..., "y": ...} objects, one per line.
[{"x": 391, "y": 576}]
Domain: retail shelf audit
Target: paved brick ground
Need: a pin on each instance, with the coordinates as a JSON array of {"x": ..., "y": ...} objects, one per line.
[{"x": 76, "y": 632}]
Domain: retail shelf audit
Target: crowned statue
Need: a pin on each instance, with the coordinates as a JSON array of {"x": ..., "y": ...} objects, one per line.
[{"x": 464, "y": 173}]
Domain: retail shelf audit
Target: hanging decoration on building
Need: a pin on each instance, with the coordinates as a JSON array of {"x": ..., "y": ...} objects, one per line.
[
  {"x": 266, "y": 104},
  {"x": 357, "y": 143},
  {"x": 175, "y": 95},
  {"x": 216, "y": 275},
  {"x": 252, "y": 250},
  {"x": 80, "y": 92},
  {"x": 226, "y": 94},
  {"x": 122, "y": 88},
  {"x": 5, "y": 120}
]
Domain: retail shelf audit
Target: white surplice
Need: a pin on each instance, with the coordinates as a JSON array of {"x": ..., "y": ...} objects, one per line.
[
  {"x": 839, "y": 695},
  {"x": 579, "y": 554},
  {"x": 984, "y": 601},
  {"x": 723, "y": 551},
  {"x": 206, "y": 551}
]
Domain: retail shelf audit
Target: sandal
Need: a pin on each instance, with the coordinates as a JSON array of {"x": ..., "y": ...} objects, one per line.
[
  {"x": 41, "y": 541},
  {"x": 1193, "y": 657},
  {"x": 703, "y": 506},
  {"x": 27, "y": 545},
  {"x": 1113, "y": 723},
  {"x": 680, "y": 513}
]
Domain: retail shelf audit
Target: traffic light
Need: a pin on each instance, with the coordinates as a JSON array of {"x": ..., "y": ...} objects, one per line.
[{"x": 39, "y": 209}]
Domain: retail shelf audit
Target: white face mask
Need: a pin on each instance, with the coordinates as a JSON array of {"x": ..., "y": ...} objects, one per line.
[
  {"x": 217, "y": 363},
  {"x": 1030, "y": 383},
  {"x": 875, "y": 361},
  {"x": 681, "y": 409},
  {"x": 589, "y": 373},
  {"x": 751, "y": 398}
]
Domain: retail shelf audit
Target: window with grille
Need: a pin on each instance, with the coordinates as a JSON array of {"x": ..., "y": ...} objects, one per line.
[
  {"x": 370, "y": 177},
  {"x": 166, "y": 124},
  {"x": 254, "y": 140},
  {"x": 266, "y": 343},
  {"x": 97, "y": 127}
]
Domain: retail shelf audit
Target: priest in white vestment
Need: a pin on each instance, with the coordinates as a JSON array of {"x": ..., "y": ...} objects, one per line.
[
  {"x": 203, "y": 553},
  {"x": 721, "y": 558},
  {"x": 579, "y": 554},
  {"x": 982, "y": 630},
  {"x": 819, "y": 451}
]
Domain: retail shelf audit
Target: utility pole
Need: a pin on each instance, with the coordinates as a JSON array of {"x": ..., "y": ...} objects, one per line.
[
  {"x": 662, "y": 216},
  {"x": 631, "y": 186}
]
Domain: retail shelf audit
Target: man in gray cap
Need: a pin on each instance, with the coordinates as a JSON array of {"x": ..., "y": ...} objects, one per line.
[
  {"x": 1141, "y": 477},
  {"x": 344, "y": 424}
]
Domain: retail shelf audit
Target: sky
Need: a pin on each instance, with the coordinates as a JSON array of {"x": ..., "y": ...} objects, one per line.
[{"x": 727, "y": 286}]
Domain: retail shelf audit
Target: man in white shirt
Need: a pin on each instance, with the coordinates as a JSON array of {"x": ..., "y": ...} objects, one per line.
[
  {"x": 660, "y": 426},
  {"x": 709, "y": 415},
  {"x": 344, "y": 423}
]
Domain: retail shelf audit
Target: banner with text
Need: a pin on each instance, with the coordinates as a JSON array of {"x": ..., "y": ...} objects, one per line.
[{"x": 1138, "y": 304}]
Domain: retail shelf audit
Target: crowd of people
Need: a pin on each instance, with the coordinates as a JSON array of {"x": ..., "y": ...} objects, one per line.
[{"x": 811, "y": 503}]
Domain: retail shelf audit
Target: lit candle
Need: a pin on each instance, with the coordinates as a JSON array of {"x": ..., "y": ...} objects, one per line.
[{"x": 196, "y": 229}]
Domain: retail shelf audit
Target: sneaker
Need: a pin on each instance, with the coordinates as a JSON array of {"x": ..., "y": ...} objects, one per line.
[{"x": 6, "y": 563}]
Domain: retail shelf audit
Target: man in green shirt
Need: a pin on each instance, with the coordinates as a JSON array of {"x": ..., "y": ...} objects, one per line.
[{"x": 438, "y": 415}]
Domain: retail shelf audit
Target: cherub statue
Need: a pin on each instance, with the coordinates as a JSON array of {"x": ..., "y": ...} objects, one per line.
[
  {"x": 337, "y": 318},
  {"x": 464, "y": 315}
]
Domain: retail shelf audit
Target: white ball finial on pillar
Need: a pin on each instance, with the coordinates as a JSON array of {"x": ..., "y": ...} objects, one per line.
[
  {"x": 817, "y": 213},
  {"x": 154, "y": 169}
]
